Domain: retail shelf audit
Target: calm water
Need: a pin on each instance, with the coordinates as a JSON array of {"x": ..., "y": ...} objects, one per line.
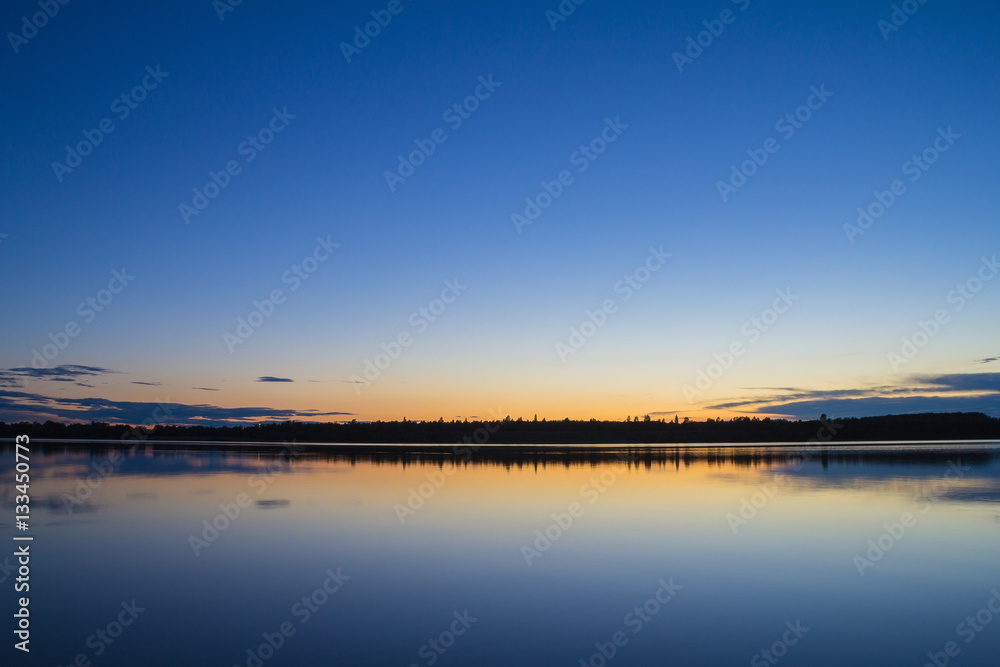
[{"x": 676, "y": 557}]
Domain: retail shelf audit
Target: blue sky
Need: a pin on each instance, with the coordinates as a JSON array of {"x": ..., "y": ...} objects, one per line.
[{"x": 496, "y": 345}]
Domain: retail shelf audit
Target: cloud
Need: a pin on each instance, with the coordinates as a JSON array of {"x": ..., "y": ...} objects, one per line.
[
  {"x": 956, "y": 392},
  {"x": 270, "y": 378},
  {"x": 791, "y": 395},
  {"x": 205, "y": 388},
  {"x": 937, "y": 393},
  {"x": 23, "y": 406},
  {"x": 150, "y": 384},
  {"x": 70, "y": 370},
  {"x": 965, "y": 381},
  {"x": 273, "y": 504},
  {"x": 14, "y": 377},
  {"x": 987, "y": 360},
  {"x": 876, "y": 406}
]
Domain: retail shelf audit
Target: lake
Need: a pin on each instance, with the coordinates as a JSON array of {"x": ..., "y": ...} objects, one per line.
[{"x": 835, "y": 555}]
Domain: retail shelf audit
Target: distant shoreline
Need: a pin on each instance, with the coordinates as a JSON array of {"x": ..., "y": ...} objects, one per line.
[{"x": 508, "y": 432}]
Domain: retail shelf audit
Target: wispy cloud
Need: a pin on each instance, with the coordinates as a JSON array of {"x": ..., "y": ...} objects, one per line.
[
  {"x": 205, "y": 388},
  {"x": 15, "y": 377},
  {"x": 270, "y": 378},
  {"x": 958, "y": 392},
  {"x": 875, "y": 406},
  {"x": 18, "y": 406},
  {"x": 149, "y": 384},
  {"x": 987, "y": 360},
  {"x": 964, "y": 381}
]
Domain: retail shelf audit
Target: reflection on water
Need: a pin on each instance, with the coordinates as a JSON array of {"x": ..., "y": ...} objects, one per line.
[{"x": 291, "y": 555}]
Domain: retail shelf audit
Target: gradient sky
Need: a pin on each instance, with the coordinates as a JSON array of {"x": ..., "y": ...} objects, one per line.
[{"x": 494, "y": 348}]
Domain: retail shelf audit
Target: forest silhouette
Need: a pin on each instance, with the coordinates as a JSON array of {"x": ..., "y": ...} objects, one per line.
[{"x": 509, "y": 431}]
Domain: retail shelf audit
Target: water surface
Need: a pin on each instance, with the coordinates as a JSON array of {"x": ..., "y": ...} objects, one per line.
[{"x": 694, "y": 556}]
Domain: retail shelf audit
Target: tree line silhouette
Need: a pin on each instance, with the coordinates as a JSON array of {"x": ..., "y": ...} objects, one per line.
[{"x": 508, "y": 431}]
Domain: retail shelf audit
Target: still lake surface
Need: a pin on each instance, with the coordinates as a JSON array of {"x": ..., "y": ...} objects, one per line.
[{"x": 846, "y": 555}]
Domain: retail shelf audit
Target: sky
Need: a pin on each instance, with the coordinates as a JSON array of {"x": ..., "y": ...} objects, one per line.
[{"x": 377, "y": 210}]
